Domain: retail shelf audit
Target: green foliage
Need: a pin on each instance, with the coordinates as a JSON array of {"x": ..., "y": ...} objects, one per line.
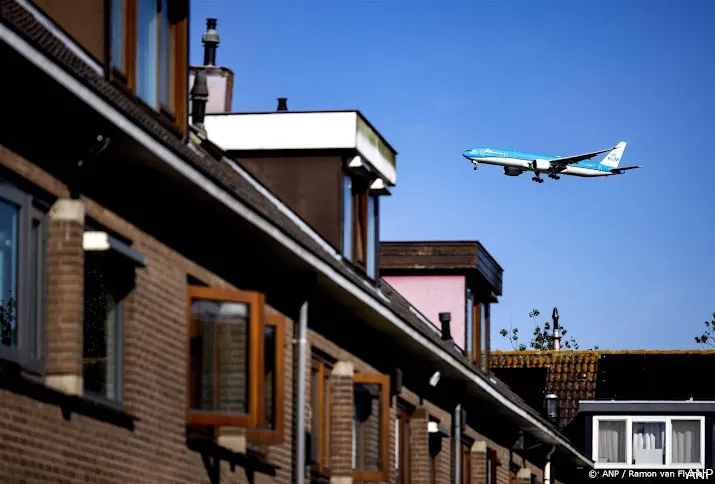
[
  {"x": 708, "y": 336},
  {"x": 542, "y": 336}
]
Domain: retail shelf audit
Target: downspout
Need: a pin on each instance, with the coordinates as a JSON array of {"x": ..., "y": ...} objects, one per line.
[
  {"x": 301, "y": 342},
  {"x": 457, "y": 446},
  {"x": 547, "y": 466}
]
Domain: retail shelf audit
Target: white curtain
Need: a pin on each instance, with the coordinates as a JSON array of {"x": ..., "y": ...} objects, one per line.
[
  {"x": 686, "y": 441},
  {"x": 611, "y": 441},
  {"x": 648, "y": 442}
]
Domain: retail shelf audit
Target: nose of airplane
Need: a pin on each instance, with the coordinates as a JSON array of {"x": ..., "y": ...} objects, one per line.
[{"x": 467, "y": 153}]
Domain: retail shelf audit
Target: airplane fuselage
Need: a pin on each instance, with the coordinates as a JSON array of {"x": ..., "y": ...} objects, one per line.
[{"x": 526, "y": 162}]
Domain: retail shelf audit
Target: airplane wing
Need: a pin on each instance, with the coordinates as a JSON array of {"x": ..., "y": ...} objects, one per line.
[
  {"x": 624, "y": 168},
  {"x": 568, "y": 160}
]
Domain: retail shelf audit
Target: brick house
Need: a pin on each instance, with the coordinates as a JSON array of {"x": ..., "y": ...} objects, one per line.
[
  {"x": 639, "y": 410},
  {"x": 167, "y": 317}
]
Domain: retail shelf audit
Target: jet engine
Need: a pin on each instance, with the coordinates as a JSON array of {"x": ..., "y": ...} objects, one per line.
[
  {"x": 540, "y": 165},
  {"x": 509, "y": 171}
]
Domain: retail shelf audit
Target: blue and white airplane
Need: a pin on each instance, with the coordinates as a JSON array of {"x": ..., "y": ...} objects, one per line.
[{"x": 517, "y": 162}]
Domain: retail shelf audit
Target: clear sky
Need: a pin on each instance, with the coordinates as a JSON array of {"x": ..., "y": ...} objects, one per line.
[{"x": 629, "y": 259}]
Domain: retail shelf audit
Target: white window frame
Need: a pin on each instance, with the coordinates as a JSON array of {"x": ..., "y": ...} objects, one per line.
[{"x": 629, "y": 420}]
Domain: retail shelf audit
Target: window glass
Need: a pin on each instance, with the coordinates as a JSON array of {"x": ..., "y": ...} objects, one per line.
[
  {"x": 269, "y": 372},
  {"x": 147, "y": 51},
  {"x": 101, "y": 327},
  {"x": 9, "y": 214},
  {"x": 612, "y": 441},
  {"x": 220, "y": 355},
  {"x": 469, "y": 343},
  {"x": 167, "y": 58},
  {"x": 649, "y": 443},
  {"x": 367, "y": 450},
  {"x": 347, "y": 217},
  {"x": 118, "y": 34},
  {"x": 685, "y": 442},
  {"x": 371, "y": 236}
]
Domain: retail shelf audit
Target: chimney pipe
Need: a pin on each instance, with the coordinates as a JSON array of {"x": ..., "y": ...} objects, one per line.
[
  {"x": 199, "y": 98},
  {"x": 211, "y": 41},
  {"x": 444, "y": 319},
  {"x": 557, "y": 335},
  {"x": 282, "y": 104}
]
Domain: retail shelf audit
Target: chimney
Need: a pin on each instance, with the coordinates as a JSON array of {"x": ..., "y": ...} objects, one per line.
[
  {"x": 282, "y": 104},
  {"x": 557, "y": 336},
  {"x": 444, "y": 319},
  {"x": 199, "y": 97},
  {"x": 211, "y": 41}
]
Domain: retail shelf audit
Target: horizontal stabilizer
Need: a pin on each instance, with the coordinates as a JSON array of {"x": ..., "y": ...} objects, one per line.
[{"x": 624, "y": 168}]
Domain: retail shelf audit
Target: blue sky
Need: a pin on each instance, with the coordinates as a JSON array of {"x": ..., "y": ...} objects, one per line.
[{"x": 628, "y": 260}]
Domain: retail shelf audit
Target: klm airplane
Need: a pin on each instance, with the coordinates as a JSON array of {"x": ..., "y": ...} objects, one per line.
[{"x": 517, "y": 162}]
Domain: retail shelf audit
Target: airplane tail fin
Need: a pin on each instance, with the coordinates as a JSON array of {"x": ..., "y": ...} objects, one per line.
[{"x": 613, "y": 158}]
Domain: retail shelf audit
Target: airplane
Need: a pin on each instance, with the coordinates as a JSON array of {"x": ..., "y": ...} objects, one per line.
[{"x": 517, "y": 162}]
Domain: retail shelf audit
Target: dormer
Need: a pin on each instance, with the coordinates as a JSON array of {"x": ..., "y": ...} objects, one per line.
[
  {"x": 457, "y": 277},
  {"x": 140, "y": 45},
  {"x": 329, "y": 167}
]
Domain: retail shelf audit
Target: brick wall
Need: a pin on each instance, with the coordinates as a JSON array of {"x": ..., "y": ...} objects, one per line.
[{"x": 39, "y": 445}]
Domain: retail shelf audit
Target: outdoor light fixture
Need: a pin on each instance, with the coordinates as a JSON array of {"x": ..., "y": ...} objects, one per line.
[
  {"x": 551, "y": 403},
  {"x": 435, "y": 379},
  {"x": 432, "y": 427}
]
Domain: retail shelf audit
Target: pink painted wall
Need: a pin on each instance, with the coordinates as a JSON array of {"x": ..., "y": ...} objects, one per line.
[{"x": 432, "y": 295}]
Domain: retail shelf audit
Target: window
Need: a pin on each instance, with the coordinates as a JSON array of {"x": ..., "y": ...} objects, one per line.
[
  {"x": 109, "y": 277},
  {"x": 649, "y": 442},
  {"x": 167, "y": 56},
  {"x": 360, "y": 224},
  {"x": 372, "y": 235},
  {"x": 149, "y": 53},
  {"x": 469, "y": 327},
  {"x": 402, "y": 445},
  {"x": 491, "y": 475},
  {"x": 102, "y": 342},
  {"x": 270, "y": 429},
  {"x": 347, "y": 217},
  {"x": 320, "y": 408},
  {"x": 371, "y": 426},
  {"x": 225, "y": 331},
  {"x": 22, "y": 263}
]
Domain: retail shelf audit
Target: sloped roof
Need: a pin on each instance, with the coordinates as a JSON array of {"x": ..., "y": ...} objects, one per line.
[{"x": 571, "y": 375}]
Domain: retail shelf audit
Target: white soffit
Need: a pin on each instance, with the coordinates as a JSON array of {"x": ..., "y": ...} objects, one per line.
[{"x": 303, "y": 131}]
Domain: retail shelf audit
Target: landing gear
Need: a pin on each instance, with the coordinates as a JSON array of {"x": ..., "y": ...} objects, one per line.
[
  {"x": 554, "y": 176},
  {"x": 475, "y": 167},
  {"x": 537, "y": 179}
]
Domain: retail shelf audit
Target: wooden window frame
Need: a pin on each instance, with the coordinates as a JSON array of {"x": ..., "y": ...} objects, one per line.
[
  {"x": 273, "y": 436},
  {"x": 492, "y": 459},
  {"x": 256, "y": 302},
  {"x": 126, "y": 77},
  {"x": 321, "y": 365},
  {"x": 384, "y": 382}
]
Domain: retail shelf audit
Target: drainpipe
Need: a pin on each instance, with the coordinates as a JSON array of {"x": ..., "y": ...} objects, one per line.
[
  {"x": 547, "y": 466},
  {"x": 457, "y": 446},
  {"x": 301, "y": 342}
]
